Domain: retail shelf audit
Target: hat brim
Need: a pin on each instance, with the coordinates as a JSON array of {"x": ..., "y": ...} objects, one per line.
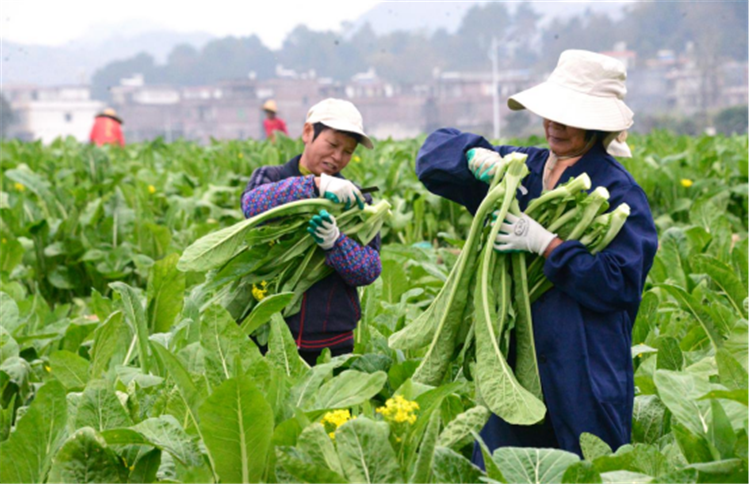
[
  {"x": 573, "y": 108},
  {"x": 350, "y": 128},
  {"x": 110, "y": 116}
]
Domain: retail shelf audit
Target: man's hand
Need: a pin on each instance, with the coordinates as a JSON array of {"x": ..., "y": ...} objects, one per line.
[
  {"x": 523, "y": 234},
  {"x": 324, "y": 230},
  {"x": 339, "y": 190},
  {"x": 483, "y": 163}
]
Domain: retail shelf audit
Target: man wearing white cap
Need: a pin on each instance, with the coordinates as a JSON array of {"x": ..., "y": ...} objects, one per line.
[
  {"x": 583, "y": 325},
  {"x": 330, "y": 308}
]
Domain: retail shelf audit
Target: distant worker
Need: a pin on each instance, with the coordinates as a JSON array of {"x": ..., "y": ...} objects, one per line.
[
  {"x": 272, "y": 122},
  {"x": 107, "y": 129}
]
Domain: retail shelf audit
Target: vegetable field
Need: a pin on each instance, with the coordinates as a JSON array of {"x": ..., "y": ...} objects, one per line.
[{"x": 118, "y": 366}]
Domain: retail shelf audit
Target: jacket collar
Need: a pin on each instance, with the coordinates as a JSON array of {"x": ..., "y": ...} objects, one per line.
[
  {"x": 591, "y": 163},
  {"x": 292, "y": 166}
]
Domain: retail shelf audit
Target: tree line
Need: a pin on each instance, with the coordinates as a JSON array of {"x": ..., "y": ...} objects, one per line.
[{"x": 717, "y": 31}]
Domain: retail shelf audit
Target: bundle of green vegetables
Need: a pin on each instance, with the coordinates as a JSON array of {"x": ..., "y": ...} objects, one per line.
[
  {"x": 273, "y": 255},
  {"x": 488, "y": 294}
]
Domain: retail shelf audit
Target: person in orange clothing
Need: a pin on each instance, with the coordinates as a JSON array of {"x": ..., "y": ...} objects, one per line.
[
  {"x": 106, "y": 129},
  {"x": 272, "y": 122}
]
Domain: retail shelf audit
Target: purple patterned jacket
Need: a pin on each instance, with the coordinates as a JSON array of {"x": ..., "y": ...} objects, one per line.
[{"x": 330, "y": 308}]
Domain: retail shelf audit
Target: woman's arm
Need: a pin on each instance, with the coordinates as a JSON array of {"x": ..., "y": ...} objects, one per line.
[
  {"x": 358, "y": 265},
  {"x": 263, "y": 192}
]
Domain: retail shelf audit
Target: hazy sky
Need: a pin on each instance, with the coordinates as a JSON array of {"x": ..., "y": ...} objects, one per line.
[{"x": 55, "y": 22}]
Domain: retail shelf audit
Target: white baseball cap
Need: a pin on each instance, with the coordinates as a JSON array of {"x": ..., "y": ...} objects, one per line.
[
  {"x": 340, "y": 115},
  {"x": 586, "y": 91}
]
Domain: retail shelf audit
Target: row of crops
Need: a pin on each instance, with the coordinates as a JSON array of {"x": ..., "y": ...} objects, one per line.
[{"x": 117, "y": 367}]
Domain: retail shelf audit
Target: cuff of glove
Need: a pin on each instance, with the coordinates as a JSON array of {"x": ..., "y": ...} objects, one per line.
[
  {"x": 548, "y": 238},
  {"x": 336, "y": 244}
]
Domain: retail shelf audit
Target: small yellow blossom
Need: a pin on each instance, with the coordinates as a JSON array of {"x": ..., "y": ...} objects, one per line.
[
  {"x": 5, "y": 241},
  {"x": 47, "y": 368},
  {"x": 335, "y": 419},
  {"x": 19, "y": 187},
  {"x": 686, "y": 182},
  {"x": 259, "y": 292},
  {"x": 151, "y": 189},
  {"x": 240, "y": 156},
  {"x": 356, "y": 159},
  {"x": 399, "y": 410}
]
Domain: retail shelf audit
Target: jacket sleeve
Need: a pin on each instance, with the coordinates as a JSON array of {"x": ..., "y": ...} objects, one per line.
[
  {"x": 358, "y": 265},
  {"x": 613, "y": 279},
  {"x": 442, "y": 168},
  {"x": 120, "y": 136},
  {"x": 264, "y": 192}
]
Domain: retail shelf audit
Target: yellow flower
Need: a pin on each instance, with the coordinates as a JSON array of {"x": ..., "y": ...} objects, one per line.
[
  {"x": 47, "y": 368},
  {"x": 356, "y": 159},
  {"x": 687, "y": 183},
  {"x": 151, "y": 189},
  {"x": 19, "y": 187},
  {"x": 335, "y": 419},
  {"x": 5, "y": 241},
  {"x": 240, "y": 156},
  {"x": 260, "y": 292},
  {"x": 399, "y": 410}
]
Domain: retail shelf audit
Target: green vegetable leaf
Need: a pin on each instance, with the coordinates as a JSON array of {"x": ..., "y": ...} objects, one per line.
[
  {"x": 365, "y": 453},
  {"x": 166, "y": 287},
  {"x": 28, "y": 452},
  {"x": 581, "y": 473},
  {"x": 237, "y": 426},
  {"x": 593, "y": 447},
  {"x": 266, "y": 308},
  {"x": 100, "y": 408},
  {"x": 533, "y": 466},
  {"x": 348, "y": 389},
  {"x": 282, "y": 351},
  {"x": 450, "y": 466},
  {"x": 135, "y": 314},
  {"x": 85, "y": 457},
  {"x": 458, "y": 433},
  {"x": 70, "y": 369}
]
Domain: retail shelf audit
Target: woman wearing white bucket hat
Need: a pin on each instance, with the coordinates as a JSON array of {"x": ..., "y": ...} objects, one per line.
[{"x": 583, "y": 325}]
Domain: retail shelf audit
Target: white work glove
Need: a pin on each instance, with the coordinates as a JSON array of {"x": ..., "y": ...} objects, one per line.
[
  {"x": 523, "y": 234},
  {"x": 324, "y": 230},
  {"x": 339, "y": 190},
  {"x": 483, "y": 163}
]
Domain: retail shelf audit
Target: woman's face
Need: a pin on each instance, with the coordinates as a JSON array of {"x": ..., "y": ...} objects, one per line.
[{"x": 564, "y": 140}]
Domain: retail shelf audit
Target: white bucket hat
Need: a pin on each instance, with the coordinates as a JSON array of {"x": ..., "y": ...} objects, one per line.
[
  {"x": 340, "y": 115},
  {"x": 585, "y": 91}
]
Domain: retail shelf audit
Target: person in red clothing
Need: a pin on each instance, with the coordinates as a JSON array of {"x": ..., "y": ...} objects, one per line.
[
  {"x": 106, "y": 129},
  {"x": 272, "y": 122}
]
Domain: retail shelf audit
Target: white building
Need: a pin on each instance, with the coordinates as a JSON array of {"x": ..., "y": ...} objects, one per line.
[{"x": 46, "y": 113}]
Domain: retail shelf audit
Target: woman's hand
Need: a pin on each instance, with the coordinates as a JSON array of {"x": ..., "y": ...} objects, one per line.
[
  {"x": 524, "y": 234},
  {"x": 324, "y": 230},
  {"x": 483, "y": 163},
  {"x": 339, "y": 190}
]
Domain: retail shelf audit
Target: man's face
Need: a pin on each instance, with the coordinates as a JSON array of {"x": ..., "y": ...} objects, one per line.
[{"x": 329, "y": 153}]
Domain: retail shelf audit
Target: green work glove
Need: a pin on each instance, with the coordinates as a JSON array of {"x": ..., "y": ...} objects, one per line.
[
  {"x": 323, "y": 229},
  {"x": 339, "y": 190},
  {"x": 483, "y": 163}
]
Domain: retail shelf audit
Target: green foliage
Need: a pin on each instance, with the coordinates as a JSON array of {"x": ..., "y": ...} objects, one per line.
[{"x": 116, "y": 367}]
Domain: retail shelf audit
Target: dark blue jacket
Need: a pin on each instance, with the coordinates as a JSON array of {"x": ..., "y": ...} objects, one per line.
[
  {"x": 583, "y": 325},
  {"x": 330, "y": 309}
]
